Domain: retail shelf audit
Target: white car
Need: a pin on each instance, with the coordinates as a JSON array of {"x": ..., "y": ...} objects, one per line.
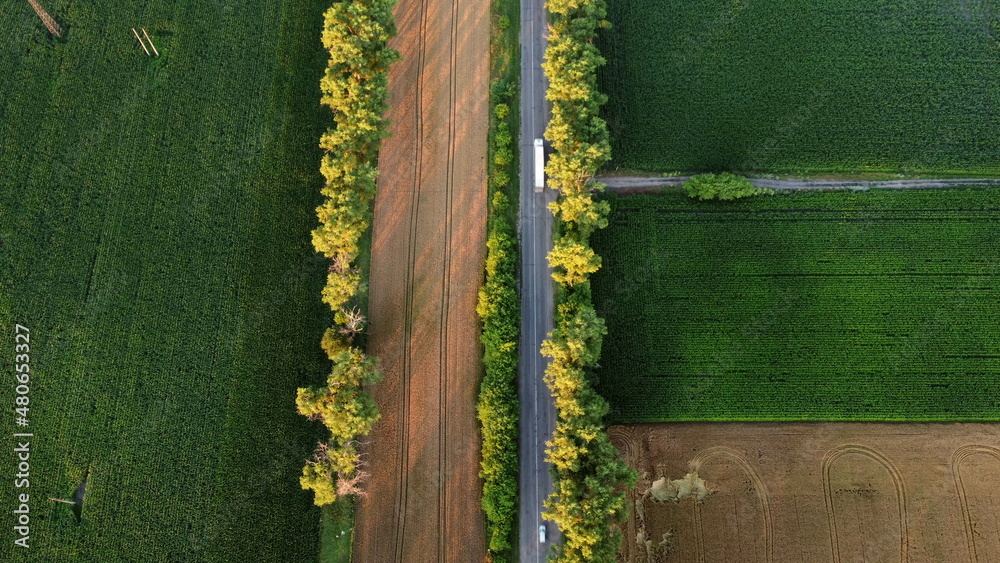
[{"x": 541, "y": 534}]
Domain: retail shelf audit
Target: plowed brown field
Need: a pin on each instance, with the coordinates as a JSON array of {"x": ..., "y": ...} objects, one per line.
[
  {"x": 816, "y": 492},
  {"x": 427, "y": 260}
]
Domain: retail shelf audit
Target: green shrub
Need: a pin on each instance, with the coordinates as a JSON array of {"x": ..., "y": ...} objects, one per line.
[
  {"x": 723, "y": 186},
  {"x": 500, "y": 179},
  {"x": 502, "y": 138},
  {"x": 503, "y": 157},
  {"x": 499, "y": 308}
]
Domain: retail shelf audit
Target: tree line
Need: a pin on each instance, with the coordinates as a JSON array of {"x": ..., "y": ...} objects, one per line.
[
  {"x": 590, "y": 477},
  {"x": 499, "y": 309},
  {"x": 355, "y": 88}
]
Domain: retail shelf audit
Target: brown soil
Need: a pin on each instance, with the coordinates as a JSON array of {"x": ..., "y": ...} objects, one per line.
[
  {"x": 427, "y": 260},
  {"x": 816, "y": 492}
]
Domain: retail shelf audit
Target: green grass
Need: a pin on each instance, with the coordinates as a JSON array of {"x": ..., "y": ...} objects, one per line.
[
  {"x": 155, "y": 219},
  {"x": 794, "y": 86},
  {"x": 813, "y": 306},
  {"x": 337, "y": 531},
  {"x": 505, "y": 76}
]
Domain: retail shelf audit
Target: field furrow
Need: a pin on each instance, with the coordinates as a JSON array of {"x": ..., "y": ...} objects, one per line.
[
  {"x": 786, "y": 86},
  {"x": 429, "y": 231},
  {"x": 155, "y": 217},
  {"x": 804, "y": 306}
]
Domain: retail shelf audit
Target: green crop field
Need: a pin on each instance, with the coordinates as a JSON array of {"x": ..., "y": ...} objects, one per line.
[
  {"x": 813, "y": 306},
  {"x": 804, "y": 87},
  {"x": 154, "y": 239}
]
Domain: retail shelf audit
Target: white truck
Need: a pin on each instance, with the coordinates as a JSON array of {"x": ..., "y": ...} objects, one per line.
[{"x": 539, "y": 165}]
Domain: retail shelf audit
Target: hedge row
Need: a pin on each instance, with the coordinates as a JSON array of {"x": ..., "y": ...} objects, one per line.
[
  {"x": 499, "y": 306},
  {"x": 355, "y": 87},
  {"x": 498, "y": 409},
  {"x": 589, "y": 501}
]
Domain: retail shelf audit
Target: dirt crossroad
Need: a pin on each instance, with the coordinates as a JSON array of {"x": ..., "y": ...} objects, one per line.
[
  {"x": 427, "y": 261},
  {"x": 637, "y": 184}
]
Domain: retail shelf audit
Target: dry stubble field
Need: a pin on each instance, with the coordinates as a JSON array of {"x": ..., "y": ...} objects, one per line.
[
  {"x": 427, "y": 254},
  {"x": 816, "y": 492}
]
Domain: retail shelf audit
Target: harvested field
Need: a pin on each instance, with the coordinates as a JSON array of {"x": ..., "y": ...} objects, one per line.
[
  {"x": 794, "y": 492},
  {"x": 427, "y": 254}
]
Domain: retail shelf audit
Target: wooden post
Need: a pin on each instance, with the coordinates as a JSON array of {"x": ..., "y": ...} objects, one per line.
[
  {"x": 62, "y": 501},
  {"x": 150, "y": 39},
  {"x": 50, "y": 23},
  {"x": 140, "y": 41}
]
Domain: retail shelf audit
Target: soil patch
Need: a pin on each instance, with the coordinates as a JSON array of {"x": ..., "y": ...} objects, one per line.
[
  {"x": 428, "y": 248},
  {"x": 814, "y": 492}
]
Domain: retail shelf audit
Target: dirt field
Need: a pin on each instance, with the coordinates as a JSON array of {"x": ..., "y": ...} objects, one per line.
[
  {"x": 815, "y": 492},
  {"x": 427, "y": 264}
]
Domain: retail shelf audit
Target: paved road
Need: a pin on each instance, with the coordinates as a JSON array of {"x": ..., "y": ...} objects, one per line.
[
  {"x": 639, "y": 183},
  {"x": 538, "y": 419}
]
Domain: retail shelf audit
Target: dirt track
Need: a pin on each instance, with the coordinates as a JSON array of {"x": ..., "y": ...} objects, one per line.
[
  {"x": 427, "y": 260},
  {"x": 637, "y": 184},
  {"x": 818, "y": 492}
]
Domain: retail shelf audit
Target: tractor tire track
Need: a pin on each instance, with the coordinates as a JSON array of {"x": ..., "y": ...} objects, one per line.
[
  {"x": 404, "y": 396},
  {"x": 736, "y": 457},
  {"x": 446, "y": 293},
  {"x": 956, "y": 471},
  {"x": 423, "y": 500},
  {"x": 897, "y": 481}
]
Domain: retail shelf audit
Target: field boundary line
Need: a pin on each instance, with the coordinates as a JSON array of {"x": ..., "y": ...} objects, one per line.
[
  {"x": 956, "y": 470},
  {"x": 624, "y": 440},
  {"x": 897, "y": 480}
]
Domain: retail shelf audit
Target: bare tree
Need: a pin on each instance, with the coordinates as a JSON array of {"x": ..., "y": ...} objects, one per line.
[
  {"x": 340, "y": 264},
  {"x": 354, "y": 322},
  {"x": 352, "y": 486}
]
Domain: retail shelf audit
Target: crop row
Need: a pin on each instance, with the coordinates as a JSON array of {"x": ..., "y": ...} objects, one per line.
[
  {"x": 832, "y": 86},
  {"x": 809, "y": 319},
  {"x": 140, "y": 245}
]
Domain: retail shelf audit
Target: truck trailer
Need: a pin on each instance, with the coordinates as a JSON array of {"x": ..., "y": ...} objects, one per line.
[{"x": 539, "y": 165}]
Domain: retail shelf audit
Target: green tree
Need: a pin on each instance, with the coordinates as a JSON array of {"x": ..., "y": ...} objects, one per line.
[
  {"x": 572, "y": 261},
  {"x": 333, "y": 344},
  {"x": 588, "y": 500},
  {"x": 319, "y": 477},
  {"x": 723, "y": 186},
  {"x": 343, "y": 407},
  {"x": 497, "y": 409},
  {"x": 355, "y": 87}
]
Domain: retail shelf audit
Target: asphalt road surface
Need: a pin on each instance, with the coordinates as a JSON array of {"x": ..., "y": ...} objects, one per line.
[{"x": 538, "y": 416}]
